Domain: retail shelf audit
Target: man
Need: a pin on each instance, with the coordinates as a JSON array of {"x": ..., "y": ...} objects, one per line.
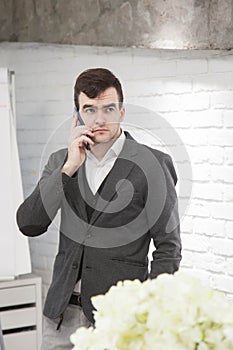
[{"x": 115, "y": 195}]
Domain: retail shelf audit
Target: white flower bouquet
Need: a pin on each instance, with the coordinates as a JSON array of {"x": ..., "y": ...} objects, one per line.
[{"x": 171, "y": 312}]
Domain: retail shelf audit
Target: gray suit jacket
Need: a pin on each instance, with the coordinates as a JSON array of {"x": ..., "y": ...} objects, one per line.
[{"x": 137, "y": 203}]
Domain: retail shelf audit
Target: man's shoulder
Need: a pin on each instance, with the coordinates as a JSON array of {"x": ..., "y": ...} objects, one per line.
[
  {"x": 58, "y": 156},
  {"x": 162, "y": 158},
  {"x": 158, "y": 154},
  {"x": 60, "y": 152},
  {"x": 165, "y": 161}
]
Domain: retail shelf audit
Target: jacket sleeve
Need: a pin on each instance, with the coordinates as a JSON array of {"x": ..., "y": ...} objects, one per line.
[
  {"x": 37, "y": 211},
  {"x": 166, "y": 231}
]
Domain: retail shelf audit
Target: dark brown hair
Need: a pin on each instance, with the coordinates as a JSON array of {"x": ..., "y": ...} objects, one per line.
[{"x": 95, "y": 81}]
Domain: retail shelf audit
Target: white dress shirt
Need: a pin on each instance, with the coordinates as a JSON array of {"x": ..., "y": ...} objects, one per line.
[{"x": 97, "y": 170}]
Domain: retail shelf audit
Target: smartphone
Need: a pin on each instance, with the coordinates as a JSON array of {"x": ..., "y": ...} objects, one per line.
[{"x": 86, "y": 144}]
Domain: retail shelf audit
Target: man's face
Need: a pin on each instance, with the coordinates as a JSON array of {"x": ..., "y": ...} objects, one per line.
[{"x": 103, "y": 114}]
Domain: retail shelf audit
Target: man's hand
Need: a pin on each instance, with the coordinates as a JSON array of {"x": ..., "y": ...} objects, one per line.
[{"x": 76, "y": 146}]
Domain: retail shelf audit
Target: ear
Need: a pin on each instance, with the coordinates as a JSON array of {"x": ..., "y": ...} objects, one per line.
[{"x": 122, "y": 113}]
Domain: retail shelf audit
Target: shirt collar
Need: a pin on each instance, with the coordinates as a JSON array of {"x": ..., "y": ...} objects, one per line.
[
  {"x": 112, "y": 152},
  {"x": 118, "y": 144}
]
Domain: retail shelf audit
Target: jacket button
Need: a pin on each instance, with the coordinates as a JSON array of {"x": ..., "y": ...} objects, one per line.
[
  {"x": 89, "y": 235},
  {"x": 74, "y": 266}
]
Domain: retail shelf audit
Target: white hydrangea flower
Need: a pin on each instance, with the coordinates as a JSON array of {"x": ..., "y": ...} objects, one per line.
[{"x": 170, "y": 312}]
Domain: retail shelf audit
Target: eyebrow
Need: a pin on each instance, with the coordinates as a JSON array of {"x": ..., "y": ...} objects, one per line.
[
  {"x": 104, "y": 106},
  {"x": 87, "y": 106},
  {"x": 110, "y": 105}
]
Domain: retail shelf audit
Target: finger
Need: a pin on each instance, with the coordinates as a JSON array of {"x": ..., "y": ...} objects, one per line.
[
  {"x": 83, "y": 139},
  {"x": 88, "y": 132},
  {"x": 87, "y": 139},
  {"x": 81, "y": 130}
]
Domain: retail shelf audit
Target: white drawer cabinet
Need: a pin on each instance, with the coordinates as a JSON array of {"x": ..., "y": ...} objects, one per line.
[{"x": 20, "y": 312}]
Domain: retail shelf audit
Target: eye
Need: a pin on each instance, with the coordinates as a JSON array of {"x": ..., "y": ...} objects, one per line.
[
  {"x": 89, "y": 110},
  {"x": 110, "y": 109}
]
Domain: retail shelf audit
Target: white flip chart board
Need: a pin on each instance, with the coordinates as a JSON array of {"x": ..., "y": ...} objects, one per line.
[{"x": 14, "y": 248}]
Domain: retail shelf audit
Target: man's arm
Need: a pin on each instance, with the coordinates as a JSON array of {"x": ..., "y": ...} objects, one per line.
[
  {"x": 166, "y": 231},
  {"x": 38, "y": 210},
  {"x": 36, "y": 213}
]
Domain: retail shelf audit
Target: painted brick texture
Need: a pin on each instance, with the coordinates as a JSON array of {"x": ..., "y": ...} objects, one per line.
[{"x": 193, "y": 94}]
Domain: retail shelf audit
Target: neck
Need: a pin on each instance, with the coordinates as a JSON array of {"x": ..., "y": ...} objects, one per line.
[{"x": 100, "y": 149}]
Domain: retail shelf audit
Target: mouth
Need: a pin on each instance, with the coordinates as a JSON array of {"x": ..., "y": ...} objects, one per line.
[{"x": 100, "y": 130}]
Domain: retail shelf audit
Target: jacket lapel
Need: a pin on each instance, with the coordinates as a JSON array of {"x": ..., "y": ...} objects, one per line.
[{"x": 77, "y": 190}]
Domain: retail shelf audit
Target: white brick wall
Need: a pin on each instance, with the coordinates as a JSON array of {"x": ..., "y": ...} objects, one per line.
[{"x": 192, "y": 90}]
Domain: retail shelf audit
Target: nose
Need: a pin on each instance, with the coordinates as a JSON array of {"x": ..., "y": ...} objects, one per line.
[{"x": 99, "y": 118}]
